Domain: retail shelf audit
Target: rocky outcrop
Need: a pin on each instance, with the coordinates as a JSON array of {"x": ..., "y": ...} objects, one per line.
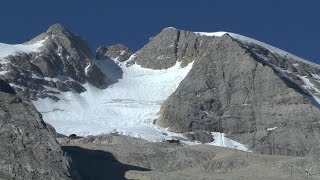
[
  {"x": 28, "y": 149},
  {"x": 171, "y": 46},
  {"x": 231, "y": 90},
  {"x": 118, "y": 51},
  {"x": 60, "y": 64}
]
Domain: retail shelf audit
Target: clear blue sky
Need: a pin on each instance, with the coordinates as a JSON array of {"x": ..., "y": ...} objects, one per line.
[{"x": 293, "y": 25}]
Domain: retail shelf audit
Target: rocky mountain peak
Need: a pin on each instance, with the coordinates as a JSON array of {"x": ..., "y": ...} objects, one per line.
[
  {"x": 117, "y": 51},
  {"x": 59, "y": 64},
  {"x": 226, "y": 38},
  {"x": 65, "y": 38},
  {"x": 58, "y": 29}
]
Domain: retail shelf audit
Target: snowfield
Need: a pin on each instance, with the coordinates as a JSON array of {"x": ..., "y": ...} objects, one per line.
[{"x": 128, "y": 106}]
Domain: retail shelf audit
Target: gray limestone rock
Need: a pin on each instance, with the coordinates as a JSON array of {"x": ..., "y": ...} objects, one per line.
[
  {"x": 118, "y": 51},
  {"x": 231, "y": 90},
  {"x": 171, "y": 46},
  {"x": 28, "y": 149},
  {"x": 63, "y": 52}
]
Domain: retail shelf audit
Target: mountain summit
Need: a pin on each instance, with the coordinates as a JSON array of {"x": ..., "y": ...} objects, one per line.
[{"x": 61, "y": 61}]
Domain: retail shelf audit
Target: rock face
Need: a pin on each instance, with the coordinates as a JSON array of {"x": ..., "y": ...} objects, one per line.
[
  {"x": 28, "y": 149},
  {"x": 60, "y": 64},
  {"x": 118, "y": 51},
  {"x": 171, "y": 46},
  {"x": 250, "y": 94}
]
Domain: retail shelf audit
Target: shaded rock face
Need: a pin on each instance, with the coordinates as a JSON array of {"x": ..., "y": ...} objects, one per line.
[
  {"x": 232, "y": 90},
  {"x": 118, "y": 51},
  {"x": 6, "y": 88},
  {"x": 171, "y": 46},
  {"x": 60, "y": 64},
  {"x": 28, "y": 149},
  {"x": 94, "y": 74}
]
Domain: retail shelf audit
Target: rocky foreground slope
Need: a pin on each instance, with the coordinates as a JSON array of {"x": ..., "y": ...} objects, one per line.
[
  {"x": 132, "y": 158},
  {"x": 28, "y": 149}
]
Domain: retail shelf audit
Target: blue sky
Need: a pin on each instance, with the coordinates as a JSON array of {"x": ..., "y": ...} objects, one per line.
[{"x": 292, "y": 25}]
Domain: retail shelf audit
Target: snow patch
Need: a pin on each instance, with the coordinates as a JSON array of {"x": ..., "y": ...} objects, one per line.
[
  {"x": 86, "y": 70},
  {"x": 221, "y": 140},
  {"x": 316, "y": 76},
  {"x": 3, "y": 72},
  {"x": 270, "y": 129},
  {"x": 309, "y": 86},
  {"x": 296, "y": 65},
  {"x": 163, "y": 57},
  {"x": 17, "y": 86},
  {"x": 122, "y": 53},
  {"x": 218, "y": 34}
]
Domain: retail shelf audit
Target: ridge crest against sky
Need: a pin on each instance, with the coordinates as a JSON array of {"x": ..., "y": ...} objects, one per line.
[{"x": 289, "y": 25}]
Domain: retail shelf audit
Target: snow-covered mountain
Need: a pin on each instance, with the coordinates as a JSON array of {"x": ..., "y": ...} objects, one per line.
[{"x": 185, "y": 85}]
